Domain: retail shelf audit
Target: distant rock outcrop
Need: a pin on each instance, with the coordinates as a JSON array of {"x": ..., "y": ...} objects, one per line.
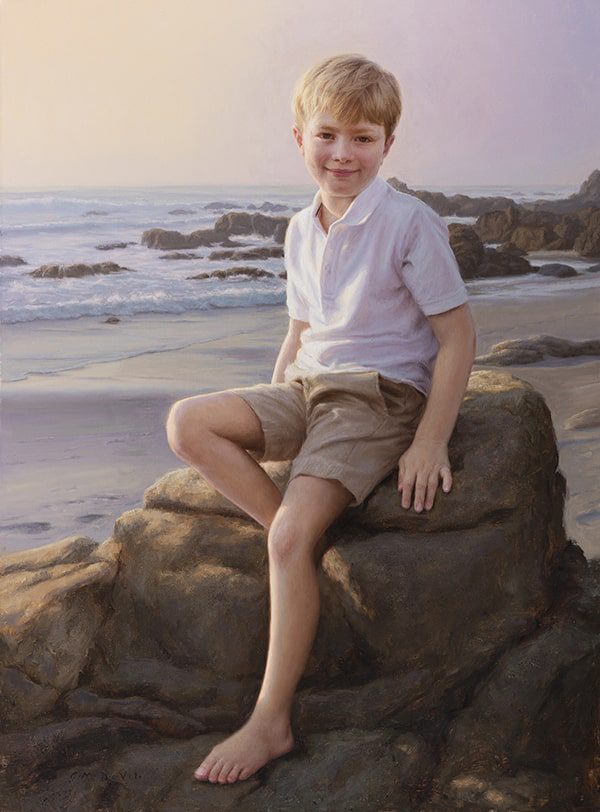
[
  {"x": 173, "y": 240},
  {"x": 587, "y": 419},
  {"x": 77, "y": 270},
  {"x": 8, "y": 261},
  {"x": 478, "y": 261},
  {"x": 456, "y": 664},
  {"x": 536, "y": 348},
  {"x": 453, "y": 205},
  {"x": 557, "y": 269},
  {"x": 110, "y": 246},
  {"x": 241, "y": 222},
  {"x": 232, "y": 223},
  {"x": 180, "y": 255},
  {"x": 257, "y": 273},
  {"x": 465, "y": 206},
  {"x": 267, "y": 206},
  {"x": 258, "y": 252},
  {"x": 517, "y": 227},
  {"x": 588, "y": 195}
]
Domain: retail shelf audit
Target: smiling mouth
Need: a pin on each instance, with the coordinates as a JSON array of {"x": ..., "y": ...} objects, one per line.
[{"x": 342, "y": 171}]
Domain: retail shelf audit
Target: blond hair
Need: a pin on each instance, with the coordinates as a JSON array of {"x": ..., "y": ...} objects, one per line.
[{"x": 351, "y": 88}]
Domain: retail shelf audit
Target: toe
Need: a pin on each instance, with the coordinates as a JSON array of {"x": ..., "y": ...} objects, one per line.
[
  {"x": 216, "y": 769},
  {"x": 234, "y": 774},
  {"x": 225, "y": 770},
  {"x": 204, "y": 769}
]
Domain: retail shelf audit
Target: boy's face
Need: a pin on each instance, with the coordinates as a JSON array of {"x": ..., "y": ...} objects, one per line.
[{"x": 342, "y": 158}]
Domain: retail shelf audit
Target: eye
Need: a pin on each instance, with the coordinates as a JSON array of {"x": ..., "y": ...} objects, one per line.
[
  {"x": 324, "y": 135},
  {"x": 366, "y": 138}
]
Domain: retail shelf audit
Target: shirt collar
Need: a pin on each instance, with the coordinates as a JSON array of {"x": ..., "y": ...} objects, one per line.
[{"x": 361, "y": 208}]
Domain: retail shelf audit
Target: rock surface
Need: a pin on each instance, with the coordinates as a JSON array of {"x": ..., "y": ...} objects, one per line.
[{"x": 456, "y": 663}]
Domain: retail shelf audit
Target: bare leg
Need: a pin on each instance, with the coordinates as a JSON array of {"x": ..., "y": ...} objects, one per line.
[
  {"x": 309, "y": 506},
  {"x": 211, "y": 433}
]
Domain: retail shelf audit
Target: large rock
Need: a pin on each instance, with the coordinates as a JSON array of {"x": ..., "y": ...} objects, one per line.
[
  {"x": 52, "y": 602},
  {"x": 587, "y": 243},
  {"x": 518, "y": 227},
  {"x": 241, "y": 222},
  {"x": 189, "y": 548},
  {"x": 456, "y": 663},
  {"x": 478, "y": 261}
]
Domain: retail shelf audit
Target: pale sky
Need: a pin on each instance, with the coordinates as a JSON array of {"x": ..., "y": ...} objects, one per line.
[{"x": 177, "y": 92}]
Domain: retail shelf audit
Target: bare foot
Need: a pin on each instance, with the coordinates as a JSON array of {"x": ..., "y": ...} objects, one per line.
[{"x": 246, "y": 751}]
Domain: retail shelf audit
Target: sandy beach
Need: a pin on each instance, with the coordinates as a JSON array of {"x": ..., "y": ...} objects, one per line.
[{"x": 81, "y": 445}]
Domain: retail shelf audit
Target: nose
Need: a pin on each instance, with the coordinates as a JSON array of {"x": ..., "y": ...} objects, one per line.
[{"x": 342, "y": 150}]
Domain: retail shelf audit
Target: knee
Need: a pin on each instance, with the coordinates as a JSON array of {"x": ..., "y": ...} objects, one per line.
[
  {"x": 287, "y": 539},
  {"x": 183, "y": 430}
]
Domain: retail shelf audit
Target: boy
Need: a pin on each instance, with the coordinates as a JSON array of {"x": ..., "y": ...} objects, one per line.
[{"x": 376, "y": 304}]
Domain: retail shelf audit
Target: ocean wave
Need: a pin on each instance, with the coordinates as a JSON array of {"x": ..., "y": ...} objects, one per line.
[{"x": 128, "y": 304}]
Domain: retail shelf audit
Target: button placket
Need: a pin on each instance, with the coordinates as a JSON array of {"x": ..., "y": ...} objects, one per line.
[{"x": 328, "y": 282}]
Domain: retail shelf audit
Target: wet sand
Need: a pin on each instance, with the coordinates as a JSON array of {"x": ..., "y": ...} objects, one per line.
[{"x": 80, "y": 446}]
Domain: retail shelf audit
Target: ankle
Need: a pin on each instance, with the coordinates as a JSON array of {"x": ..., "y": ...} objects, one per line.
[{"x": 274, "y": 717}]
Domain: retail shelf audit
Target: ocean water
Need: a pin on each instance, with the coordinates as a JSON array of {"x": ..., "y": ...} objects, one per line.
[{"x": 66, "y": 225}]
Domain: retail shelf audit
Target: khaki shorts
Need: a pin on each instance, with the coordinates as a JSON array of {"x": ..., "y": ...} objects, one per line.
[{"x": 349, "y": 426}]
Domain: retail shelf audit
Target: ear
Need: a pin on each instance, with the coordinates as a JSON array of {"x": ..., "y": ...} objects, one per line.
[
  {"x": 298, "y": 137},
  {"x": 388, "y": 144}
]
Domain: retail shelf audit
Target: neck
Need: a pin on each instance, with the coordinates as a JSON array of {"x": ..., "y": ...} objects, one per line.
[{"x": 332, "y": 209}]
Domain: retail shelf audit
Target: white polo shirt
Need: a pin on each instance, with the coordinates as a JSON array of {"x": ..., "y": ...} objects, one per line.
[{"x": 367, "y": 285}]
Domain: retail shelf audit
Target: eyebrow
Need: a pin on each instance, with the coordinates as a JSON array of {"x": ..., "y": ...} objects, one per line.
[{"x": 367, "y": 129}]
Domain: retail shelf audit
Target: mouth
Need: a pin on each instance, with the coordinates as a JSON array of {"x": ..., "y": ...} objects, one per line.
[{"x": 341, "y": 173}]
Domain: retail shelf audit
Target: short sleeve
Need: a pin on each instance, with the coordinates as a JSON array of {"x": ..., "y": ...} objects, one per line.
[
  {"x": 429, "y": 268},
  {"x": 296, "y": 302}
]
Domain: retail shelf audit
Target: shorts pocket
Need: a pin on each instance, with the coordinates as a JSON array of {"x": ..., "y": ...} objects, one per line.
[
  {"x": 380, "y": 395},
  {"x": 400, "y": 397}
]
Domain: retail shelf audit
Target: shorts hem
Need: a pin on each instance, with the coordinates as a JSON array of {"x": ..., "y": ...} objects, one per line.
[
  {"x": 328, "y": 470},
  {"x": 273, "y": 448}
]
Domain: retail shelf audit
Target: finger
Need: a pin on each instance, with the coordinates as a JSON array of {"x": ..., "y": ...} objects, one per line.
[
  {"x": 446, "y": 478},
  {"x": 420, "y": 490},
  {"x": 432, "y": 484},
  {"x": 400, "y": 474},
  {"x": 407, "y": 488}
]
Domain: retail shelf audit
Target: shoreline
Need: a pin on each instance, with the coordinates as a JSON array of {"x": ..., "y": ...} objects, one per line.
[{"x": 80, "y": 446}]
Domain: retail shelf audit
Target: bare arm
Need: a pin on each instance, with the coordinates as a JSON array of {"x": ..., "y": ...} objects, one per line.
[
  {"x": 426, "y": 459},
  {"x": 289, "y": 348}
]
